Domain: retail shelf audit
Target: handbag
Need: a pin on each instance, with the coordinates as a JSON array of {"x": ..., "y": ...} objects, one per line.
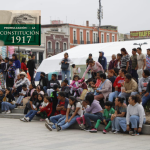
[{"x": 65, "y": 66}]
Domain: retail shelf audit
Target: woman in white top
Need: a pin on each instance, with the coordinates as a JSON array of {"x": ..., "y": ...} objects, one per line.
[
  {"x": 74, "y": 111},
  {"x": 135, "y": 115}
]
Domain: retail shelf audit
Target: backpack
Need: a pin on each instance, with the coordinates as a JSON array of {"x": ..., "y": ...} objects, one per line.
[{"x": 65, "y": 66}]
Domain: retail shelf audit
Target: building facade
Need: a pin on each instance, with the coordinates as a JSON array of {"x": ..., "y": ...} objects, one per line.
[{"x": 60, "y": 37}]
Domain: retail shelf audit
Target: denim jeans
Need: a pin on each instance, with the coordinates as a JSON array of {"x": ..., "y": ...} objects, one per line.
[
  {"x": 127, "y": 95},
  {"x": 49, "y": 91},
  {"x": 93, "y": 117},
  {"x": 134, "y": 74},
  {"x": 113, "y": 95},
  {"x": 116, "y": 123},
  {"x": 67, "y": 73},
  {"x": 5, "y": 106},
  {"x": 31, "y": 114},
  {"x": 45, "y": 89},
  {"x": 145, "y": 99},
  {"x": 134, "y": 120},
  {"x": 65, "y": 125},
  {"x": 20, "y": 98}
]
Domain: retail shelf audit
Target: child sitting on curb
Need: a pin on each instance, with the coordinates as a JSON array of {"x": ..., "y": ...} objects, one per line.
[{"x": 106, "y": 118}]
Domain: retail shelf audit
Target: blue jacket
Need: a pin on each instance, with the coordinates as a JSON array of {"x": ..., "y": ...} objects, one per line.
[
  {"x": 103, "y": 61},
  {"x": 17, "y": 64}
]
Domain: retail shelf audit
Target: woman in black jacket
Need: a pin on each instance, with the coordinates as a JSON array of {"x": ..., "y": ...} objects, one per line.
[{"x": 43, "y": 82}]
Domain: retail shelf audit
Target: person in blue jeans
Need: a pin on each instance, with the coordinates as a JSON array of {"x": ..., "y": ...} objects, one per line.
[
  {"x": 65, "y": 62},
  {"x": 120, "y": 113},
  {"x": 135, "y": 115},
  {"x": 146, "y": 97},
  {"x": 30, "y": 115},
  {"x": 7, "y": 107},
  {"x": 74, "y": 111}
]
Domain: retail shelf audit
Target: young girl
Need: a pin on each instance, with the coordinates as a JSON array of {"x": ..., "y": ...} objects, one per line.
[
  {"x": 8, "y": 102},
  {"x": 32, "y": 101},
  {"x": 74, "y": 110},
  {"x": 75, "y": 86},
  {"x": 39, "y": 90},
  {"x": 35, "y": 107}
]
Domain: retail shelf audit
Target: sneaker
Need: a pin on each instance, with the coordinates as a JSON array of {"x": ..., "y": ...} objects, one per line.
[
  {"x": 135, "y": 133},
  {"x": 115, "y": 132},
  {"x": 93, "y": 130},
  {"x": 4, "y": 112},
  {"x": 104, "y": 131},
  {"x": 22, "y": 119},
  {"x": 87, "y": 129},
  {"x": 47, "y": 120},
  {"x": 8, "y": 112},
  {"x": 130, "y": 132},
  {"x": 82, "y": 126},
  {"x": 112, "y": 131},
  {"x": 58, "y": 127},
  {"x": 27, "y": 119},
  {"x": 48, "y": 127}
]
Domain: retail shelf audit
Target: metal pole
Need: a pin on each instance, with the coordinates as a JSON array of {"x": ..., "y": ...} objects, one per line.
[{"x": 99, "y": 20}]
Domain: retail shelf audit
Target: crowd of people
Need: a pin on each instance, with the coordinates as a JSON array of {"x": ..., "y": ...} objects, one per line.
[{"x": 114, "y": 94}]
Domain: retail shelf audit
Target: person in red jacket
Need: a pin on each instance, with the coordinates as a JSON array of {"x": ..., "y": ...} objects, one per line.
[
  {"x": 117, "y": 85},
  {"x": 47, "y": 110},
  {"x": 23, "y": 65}
]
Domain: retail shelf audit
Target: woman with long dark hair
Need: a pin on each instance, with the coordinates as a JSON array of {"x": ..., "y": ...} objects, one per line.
[
  {"x": 17, "y": 64},
  {"x": 23, "y": 65},
  {"x": 125, "y": 59}
]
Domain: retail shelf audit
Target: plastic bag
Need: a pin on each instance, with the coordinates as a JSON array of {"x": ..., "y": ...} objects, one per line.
[
  {"x": 79, "y": 70},
  {"x": 28, "y": 76}
]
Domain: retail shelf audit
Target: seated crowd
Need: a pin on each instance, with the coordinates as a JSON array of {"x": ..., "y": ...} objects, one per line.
[{"x": 114, "y": 98}]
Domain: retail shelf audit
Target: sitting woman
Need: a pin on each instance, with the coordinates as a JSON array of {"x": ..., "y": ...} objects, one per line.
[
  {"x": 135, "y": 115},
  {"x": 35, "y": 107},
  {"x": 119, "y": 116},
  {"x": 93, "y": 112},
  {"x": 32, "y": 101},
  {"x": 74, "y": 111},
  {"x": 76, "y": 86},
  {"x": 39, "y": 90},
  {"x": 104, "y": 89},
  {"x": 112, "y": 77},
  {"x": 8, "y": 102},
  {"x": 31, "y": 89}
]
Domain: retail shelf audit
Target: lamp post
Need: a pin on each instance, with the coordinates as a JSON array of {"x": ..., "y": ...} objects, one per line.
[
  {"x": 99, "y": 17},
  {"x": 140, "y": 44}
]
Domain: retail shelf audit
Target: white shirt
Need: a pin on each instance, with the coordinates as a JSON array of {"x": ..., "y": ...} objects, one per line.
[{"x": 78, "y": 105}]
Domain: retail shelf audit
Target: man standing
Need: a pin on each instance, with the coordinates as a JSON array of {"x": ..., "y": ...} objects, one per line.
[
  {"x": 141, "y": 60},
  {"x": 102, "y": 60},
  {"x": 134, "y": 64},
  {"x": 87, "y": 63},
  {"x": 148, "y": 60},
  {"x": 31, "y": 67},
  {"x": 111, "y": 63}
]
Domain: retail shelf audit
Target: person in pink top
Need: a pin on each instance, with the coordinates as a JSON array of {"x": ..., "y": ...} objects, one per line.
[{"x": 95, "y": 67}]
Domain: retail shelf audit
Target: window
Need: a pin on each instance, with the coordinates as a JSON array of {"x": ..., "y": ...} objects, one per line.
[
  {"x": 74, "y": 35},
  {"x": 49, "y": 45},
  {"x": 57, "y": 45},
  {"x": 81, "y": 36},
  {"x": 96, "y": 37},
  {"x": 87, "y": 35},
  {"x": 64, "y": 46},
  {"x": 107, "y": 38},
  {"x": 102, "y": 38},
  {"x": 113, "y": 38},
  {"x": 40, "y": 57}
]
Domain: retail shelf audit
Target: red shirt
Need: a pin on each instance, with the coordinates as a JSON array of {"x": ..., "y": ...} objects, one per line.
[
  {"x": 63, "y": 112},
  {"x": 118, "y": 82},
  {"x": 23, "y": 66},
  {"x": 48, "y": 109}
]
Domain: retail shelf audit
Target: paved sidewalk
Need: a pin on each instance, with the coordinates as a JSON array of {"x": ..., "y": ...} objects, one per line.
[{"x": 17, "y": 135}]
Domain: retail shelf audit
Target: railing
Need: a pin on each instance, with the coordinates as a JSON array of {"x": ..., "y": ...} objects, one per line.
[
  {"x": 57, "y": 51},
  {"x": 49, "y": 50},
  {"x": 95, "y": 41},
  {"x": 75, "y": 41},
  {"x": 81, "y": 42},
  {"x": 88, "y": 42}
]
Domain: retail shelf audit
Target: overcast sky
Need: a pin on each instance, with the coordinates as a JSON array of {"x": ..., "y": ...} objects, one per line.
[{"x": 128, "y": 15}]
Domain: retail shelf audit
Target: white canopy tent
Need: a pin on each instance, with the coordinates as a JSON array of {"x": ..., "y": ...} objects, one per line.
[{"x": 79, "y": 54}]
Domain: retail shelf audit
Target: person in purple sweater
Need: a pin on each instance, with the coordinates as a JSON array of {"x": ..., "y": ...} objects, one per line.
[{"x": 94, "y": 112}]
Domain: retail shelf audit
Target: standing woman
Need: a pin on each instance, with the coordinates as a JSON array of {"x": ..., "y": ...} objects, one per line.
[
  {"x": 125, "y": 59},
  {"x": 2, "y": 83},
  {"x": 23, "y": 65},
  {"x": 17, "y": 65}
]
